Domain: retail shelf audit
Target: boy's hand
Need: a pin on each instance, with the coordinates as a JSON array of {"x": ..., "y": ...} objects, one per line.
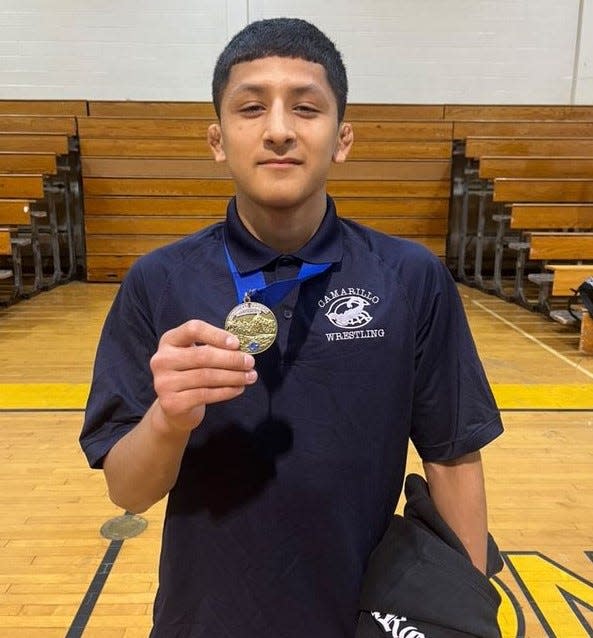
[{"x": 197, "y": 364}]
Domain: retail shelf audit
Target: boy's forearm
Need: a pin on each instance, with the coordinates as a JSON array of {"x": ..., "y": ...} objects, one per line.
[
  {"x": 143, "y": 465},
  {"x": 457, "y": 490},
  {"x": 196, "y": 364}
]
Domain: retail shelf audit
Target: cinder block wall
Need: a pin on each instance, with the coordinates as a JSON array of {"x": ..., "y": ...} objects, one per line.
[{"x": 397, "y": 51}]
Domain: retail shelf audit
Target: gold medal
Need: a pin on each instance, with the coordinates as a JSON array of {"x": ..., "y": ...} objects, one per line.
[{"x": 254, "y": 324}]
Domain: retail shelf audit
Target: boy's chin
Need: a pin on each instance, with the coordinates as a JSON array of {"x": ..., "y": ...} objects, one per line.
[{"x": 280, "y": 201}]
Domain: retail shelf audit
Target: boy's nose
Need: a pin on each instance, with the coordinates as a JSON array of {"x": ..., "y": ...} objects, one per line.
[{"x": 279, "y": 129}]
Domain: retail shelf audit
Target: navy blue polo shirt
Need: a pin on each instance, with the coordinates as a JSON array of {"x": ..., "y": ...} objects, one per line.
[{"x": 284, "y": 491}]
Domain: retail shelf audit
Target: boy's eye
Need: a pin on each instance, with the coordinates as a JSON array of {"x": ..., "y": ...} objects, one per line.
[
  {"x": 306, "y": 109},
  {"x": 252, "y": 109}
]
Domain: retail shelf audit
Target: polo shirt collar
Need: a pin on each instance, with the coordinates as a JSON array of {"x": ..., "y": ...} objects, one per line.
[{"x": 250, "y": 254}]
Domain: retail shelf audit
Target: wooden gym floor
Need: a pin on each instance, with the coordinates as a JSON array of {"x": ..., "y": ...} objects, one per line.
[{"x": 59, "y": 577}]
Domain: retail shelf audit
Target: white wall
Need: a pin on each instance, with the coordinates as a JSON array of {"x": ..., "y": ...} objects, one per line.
[
  {"x": 468, "y": 51},
  {"x": 112, "y": 49},
  {"x": 584, "y": 79},
  {"x": 506, "y": 51}
]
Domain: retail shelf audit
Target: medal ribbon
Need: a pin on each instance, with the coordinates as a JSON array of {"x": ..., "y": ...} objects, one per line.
[{"x": 252, "y": 286}]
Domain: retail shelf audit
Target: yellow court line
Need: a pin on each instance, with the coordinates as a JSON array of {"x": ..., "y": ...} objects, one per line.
[
  {"x": 43, "y": 396},
  {"x": 510, "y": 396},
  {"x": 543, "y": 396}
]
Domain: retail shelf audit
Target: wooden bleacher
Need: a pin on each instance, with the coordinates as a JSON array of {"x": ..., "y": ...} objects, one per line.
[
  {"x": 522, "y": 112},
  {"x": 398, "y": 179},
  {"x": 556, "y": 144},
  {"x": 20, "y": 224},
  {"x": 44, "y": 107},
  {"x": 14, "y": 211},
  {"x": 25, "y": 186},
  {"x": 44, "y": 163},
  {"x": 568, "y": 277},
  {"x": 551, "y": 167},
  {"x": 506, "y": 133},
  {"x": 534, "y": 161},
  {"x": 526, "y": 218},
  {"x": 520, "y": 128},
  {"x": 515, "y": 190},
  {"x": 541, "y": 216},
  {"x": 395, "y": 180},
  {"x": 47, "y": 125},
  {"x": 564, "y": 208},
  {"x": 478, "y": 147},
  {"x": 571, "y": 218},
  {"x": 149, "y": 178},
  {"x": 546, "y": 246},
  {"x": 34, "y": 143},
  {"x": 10, "y": 249},
  {"x": 536, "y": 245},
  {"x": 38, "y": 142},
  {"x": 201, "y": 110},
  {"x": 7, "y": 251}
]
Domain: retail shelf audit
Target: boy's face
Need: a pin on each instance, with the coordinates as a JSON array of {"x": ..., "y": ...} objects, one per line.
[{"x": 279, "y": 132}]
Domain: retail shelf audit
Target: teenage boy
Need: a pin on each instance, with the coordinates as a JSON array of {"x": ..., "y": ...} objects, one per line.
[{"x": 283, "y": 460}]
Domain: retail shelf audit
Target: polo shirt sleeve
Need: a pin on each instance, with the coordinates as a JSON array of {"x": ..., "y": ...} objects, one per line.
[
  {"x": 122, "y": 387},
  {"x": 454, "y": 411}
]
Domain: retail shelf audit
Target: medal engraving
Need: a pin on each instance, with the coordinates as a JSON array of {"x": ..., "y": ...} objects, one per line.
[{"x": 254, "y": 324}]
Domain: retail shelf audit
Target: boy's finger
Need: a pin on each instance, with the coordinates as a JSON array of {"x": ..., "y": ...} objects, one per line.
[
  {"x": 173, "y": 358},
  {"x": 201, "y": 332}
]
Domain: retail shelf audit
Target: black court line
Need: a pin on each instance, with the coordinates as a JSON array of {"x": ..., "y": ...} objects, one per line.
[{"x": 87, "y": 605}]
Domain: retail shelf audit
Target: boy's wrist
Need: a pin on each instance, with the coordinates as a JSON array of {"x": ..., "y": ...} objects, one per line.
[{"x": 162, "y": 426}]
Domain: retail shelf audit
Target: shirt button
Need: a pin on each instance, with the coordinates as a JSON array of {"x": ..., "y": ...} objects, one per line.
[{"x": 287, "y": 313}]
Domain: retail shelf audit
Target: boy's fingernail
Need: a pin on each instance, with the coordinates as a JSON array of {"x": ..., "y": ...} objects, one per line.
[{"x": 232, "y": 341}]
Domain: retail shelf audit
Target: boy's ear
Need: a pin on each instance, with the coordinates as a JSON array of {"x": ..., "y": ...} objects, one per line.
[
  {"x": 344, "y": 143},
  {"x": 215, "y": 142}
]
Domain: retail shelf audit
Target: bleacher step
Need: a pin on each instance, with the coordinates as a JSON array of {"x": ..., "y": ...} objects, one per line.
[
  {"x": 541, "y": 278},
  {"x": 564, "y": 317},
  {"x": 21, "y": 242},
  {"x": 519, "y": 245}
]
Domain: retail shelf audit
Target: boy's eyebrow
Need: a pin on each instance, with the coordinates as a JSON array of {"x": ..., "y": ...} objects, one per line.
[{"x": 259, "y": 89}]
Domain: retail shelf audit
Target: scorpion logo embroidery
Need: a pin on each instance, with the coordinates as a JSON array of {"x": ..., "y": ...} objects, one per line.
[{"x": 349, "y": 312}]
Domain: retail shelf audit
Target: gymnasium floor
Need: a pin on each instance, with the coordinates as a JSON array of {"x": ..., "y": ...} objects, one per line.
[{"x": 60, "y": 578}]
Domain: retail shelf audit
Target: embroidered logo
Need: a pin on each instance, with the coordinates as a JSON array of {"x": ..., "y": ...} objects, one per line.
[
  {"x": 350, "y": 309},
  {"x": 397, "y": 626},
  {"x": 349, "y": 312}
]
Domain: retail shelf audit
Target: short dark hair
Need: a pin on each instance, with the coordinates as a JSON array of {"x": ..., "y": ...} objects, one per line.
[{"x": 285, "y": 38}]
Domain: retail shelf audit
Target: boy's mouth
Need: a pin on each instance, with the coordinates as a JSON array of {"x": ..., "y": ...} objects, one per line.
[{"x": 281, "y": 161}]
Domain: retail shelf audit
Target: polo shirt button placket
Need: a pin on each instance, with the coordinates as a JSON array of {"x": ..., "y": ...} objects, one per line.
[{"x": 285, "y": 269}]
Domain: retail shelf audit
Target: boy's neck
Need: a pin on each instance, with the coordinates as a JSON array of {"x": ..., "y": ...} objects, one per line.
[{"x": 285, "y": 230}]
